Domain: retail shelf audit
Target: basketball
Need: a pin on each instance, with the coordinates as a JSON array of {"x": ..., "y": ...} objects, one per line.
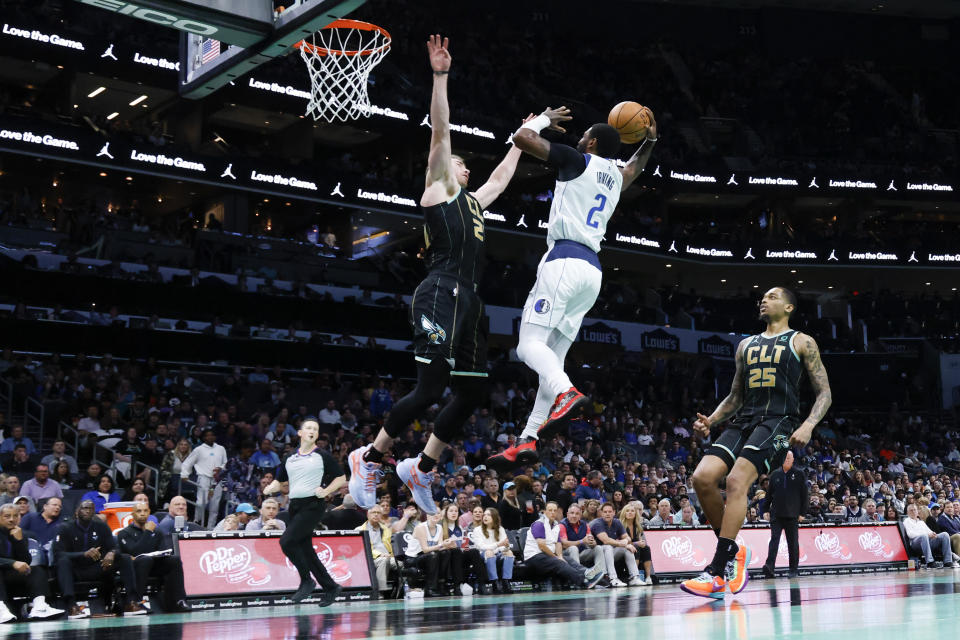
[{"x": 630, "y": 120}]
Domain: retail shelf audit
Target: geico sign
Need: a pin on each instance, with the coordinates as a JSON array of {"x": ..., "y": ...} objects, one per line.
[{"x": 158, "y": 17}]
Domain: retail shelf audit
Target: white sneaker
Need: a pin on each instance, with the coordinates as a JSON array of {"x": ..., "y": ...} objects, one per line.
[
  {"x": 648, "y": 582},
  {"x": 616, "y": 582},
  {"x": 145, "y": 603},
  {"x": 414, "y": 594},
  {"x": 466, "y": 589},
  {"x": 955, "y": 565},
  {"x": 41, "y": 609},
  {"x": 593, "y": 575},
  {"x": 5, "y": 614},
  {"x": 80, "y": 611},
  {"x": 419, "y": 483},
  {"x": 636, "y": 581},
  {"x": 364, "y": 478}
]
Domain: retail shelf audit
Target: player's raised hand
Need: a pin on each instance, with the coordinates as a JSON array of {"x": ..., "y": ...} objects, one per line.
[
  {"x": 652, "y": 128},
  {"x": 702, "y": 425},
  {"x": 439, "y": 54},
  {"x": 556, "y": 117}
]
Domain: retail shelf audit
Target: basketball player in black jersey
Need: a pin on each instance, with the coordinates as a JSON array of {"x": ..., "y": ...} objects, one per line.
[
  {"x": 765, "y": 397},
  {"x": 446, "y": 312}
]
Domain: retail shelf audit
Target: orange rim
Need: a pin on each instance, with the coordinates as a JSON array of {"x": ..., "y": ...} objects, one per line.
[{"x": 347, "y": 24}]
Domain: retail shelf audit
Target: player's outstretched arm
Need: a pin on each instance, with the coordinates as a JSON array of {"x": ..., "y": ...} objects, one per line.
[
  {"x": 810, "y": 356},
  {"x": 501, "y": 176},
  {"x": 638, "y": 161},
  {"x": 730, "y": 405},
  {"x": 438, "y": 162},
  {"x": 528, "y": 139}
]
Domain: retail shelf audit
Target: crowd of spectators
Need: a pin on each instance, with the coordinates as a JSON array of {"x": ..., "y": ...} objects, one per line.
[{"x": 583, "y": 508}]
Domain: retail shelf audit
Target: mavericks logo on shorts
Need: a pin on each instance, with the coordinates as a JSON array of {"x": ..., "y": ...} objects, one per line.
[
  {"x": 435, "y": 333},
  {"x": 542, "y": 305}
]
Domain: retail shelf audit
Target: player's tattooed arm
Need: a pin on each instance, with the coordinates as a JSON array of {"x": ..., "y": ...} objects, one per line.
[
  {"x": 730, "y": 405},
  {"x": 638, "y": 161},
  {"x": 810, "y": 355}
]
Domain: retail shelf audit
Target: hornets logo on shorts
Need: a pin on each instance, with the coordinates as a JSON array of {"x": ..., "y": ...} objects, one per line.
[
  {"x": 435, "y": 333},
  {"x": 542, "y": 305},
  {"x": 781, "y": 444}
]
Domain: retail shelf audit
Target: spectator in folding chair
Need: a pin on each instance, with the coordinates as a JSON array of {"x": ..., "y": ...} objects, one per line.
[
  {"x": 141, "y": 540},
  {"x": 615, "y": 544},
  {"x": 15, "y": 569},
  {"x": 424, "y": 551},
  {"x": 491, "y": 540},
  {"x": 381, "y": 544},
  {"x": 543, "y": 553},
  {"x": 579, "y": 545},
  {"x": 463, "y": 560},
  {"x": 85, "y": 550}
]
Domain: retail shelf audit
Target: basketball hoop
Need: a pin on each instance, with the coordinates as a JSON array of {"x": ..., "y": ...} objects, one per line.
[{"x": 339, "y": 59}]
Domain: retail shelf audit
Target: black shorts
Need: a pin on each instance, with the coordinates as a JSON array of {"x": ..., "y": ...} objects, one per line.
[
  {"x": 764, "y": 441},
  {"x": 449, "y": 323}
]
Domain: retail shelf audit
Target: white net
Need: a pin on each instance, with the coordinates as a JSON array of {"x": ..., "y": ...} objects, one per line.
[{"x": 339, "y": 59}]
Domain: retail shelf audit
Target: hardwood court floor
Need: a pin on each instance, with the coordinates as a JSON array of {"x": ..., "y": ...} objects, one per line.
[{"x": 899, "y": 605}]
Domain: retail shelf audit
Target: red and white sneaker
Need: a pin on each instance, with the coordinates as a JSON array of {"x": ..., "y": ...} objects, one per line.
[
  {"x": 516, "y": 456},
  {"x": 569, "y": 405}
]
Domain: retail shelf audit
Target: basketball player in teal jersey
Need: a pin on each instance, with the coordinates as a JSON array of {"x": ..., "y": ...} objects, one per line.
[{"x": 765, "y": 395}]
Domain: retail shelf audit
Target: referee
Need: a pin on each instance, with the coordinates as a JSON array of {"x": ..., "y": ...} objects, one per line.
[
  {"x": 312, "y": 474},
  {"x": 788, "y": 499}
]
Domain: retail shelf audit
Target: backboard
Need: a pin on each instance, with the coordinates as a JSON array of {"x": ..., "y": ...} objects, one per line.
[{"x": 208, "y": 62}]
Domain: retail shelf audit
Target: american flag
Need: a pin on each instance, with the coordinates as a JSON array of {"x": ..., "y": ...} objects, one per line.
[{"x": 209, "y": 49}]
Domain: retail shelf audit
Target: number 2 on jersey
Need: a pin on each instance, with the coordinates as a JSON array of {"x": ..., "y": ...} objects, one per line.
[{"x": 602, "y": 199}]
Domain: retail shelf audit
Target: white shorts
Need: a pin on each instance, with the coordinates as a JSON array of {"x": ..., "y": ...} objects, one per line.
[{"x": 565, "y": 290}]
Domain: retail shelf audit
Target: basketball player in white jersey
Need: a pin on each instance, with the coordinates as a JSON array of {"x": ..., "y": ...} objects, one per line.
[{"x": 588, "y": 188}]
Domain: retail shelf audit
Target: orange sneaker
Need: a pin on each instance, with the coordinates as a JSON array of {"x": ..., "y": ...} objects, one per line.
[
  {"x": 737, "y": 573},
  {"x": 705, "y": 585}
]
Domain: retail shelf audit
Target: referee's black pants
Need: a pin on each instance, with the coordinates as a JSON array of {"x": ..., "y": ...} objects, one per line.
[
  {"x": 790, "y": 527},
  {"x": 297, "y": 541}
]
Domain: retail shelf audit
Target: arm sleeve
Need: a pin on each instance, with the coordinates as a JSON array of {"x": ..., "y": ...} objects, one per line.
[
  {"x": 109, "y": 542},
  {"x": 331, "y": 467},
  {"x": 569, "y": 162},
  {"x": 476, "y": 537},
  {"x": 281, "y": 475},
  {"x": 122, "y": 542},
  {"x": 188, "y": 463},
  {"x": 537, "y": 530},
  {"x": 21, "y": 549}
]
